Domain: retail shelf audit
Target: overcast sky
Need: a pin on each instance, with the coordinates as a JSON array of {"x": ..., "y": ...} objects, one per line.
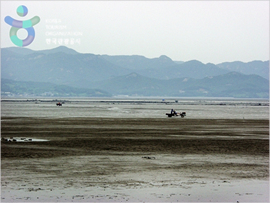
[{"x": 208, "y": 31}]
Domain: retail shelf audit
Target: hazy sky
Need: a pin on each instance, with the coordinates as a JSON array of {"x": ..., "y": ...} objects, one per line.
[{"x": 208, "y": 31}]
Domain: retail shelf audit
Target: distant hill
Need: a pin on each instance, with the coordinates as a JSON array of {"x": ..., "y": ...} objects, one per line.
[
  {"x": 136, "y": 62},
  {"x": 18, "y": 88},
  {"x": 63, "y": 65},
  {"x": 26, "y": 51},
  {"x": 191, "y": 69},
  {"x": 134, "y": 75},
  {"x": 232, "y": 84},
  {"x": 57, "y": 67},
  {"x": 260, "y": 68},
  {"x": 133, "y": 85}
]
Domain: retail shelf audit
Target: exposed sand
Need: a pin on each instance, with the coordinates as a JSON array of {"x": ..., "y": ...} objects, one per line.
[{"x": 142, "y": 159}]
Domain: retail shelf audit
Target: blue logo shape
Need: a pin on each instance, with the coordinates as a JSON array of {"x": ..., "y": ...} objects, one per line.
[{"x": 26, "y": 24}]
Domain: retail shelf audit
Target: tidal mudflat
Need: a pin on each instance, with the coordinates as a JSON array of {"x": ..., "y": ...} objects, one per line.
[{"x": 130, "y": 159}]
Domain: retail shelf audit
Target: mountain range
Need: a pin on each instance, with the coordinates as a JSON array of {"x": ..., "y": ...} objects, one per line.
[
  {"x": 45, "y": 89},
  {"x": 128, "y": 75}
]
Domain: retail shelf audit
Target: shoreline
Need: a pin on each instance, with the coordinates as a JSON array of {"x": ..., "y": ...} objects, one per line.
[{"x": 172, "y": 101}]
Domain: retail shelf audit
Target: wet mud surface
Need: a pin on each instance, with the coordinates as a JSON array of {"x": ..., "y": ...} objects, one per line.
[{"x": 135, "y": 159}]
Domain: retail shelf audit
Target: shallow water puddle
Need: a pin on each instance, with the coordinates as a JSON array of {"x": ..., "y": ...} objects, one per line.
[{"x": 27, "y": 139}]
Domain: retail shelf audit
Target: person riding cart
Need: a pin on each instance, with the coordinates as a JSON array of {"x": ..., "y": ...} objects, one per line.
[{"x": 174, "y": 113}]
